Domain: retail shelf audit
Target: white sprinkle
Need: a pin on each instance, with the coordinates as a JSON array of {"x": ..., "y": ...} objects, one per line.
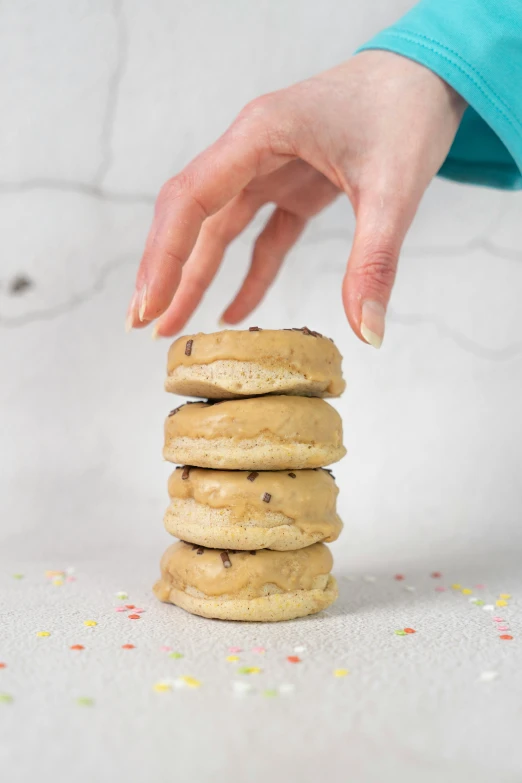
[
  {"x": 488, "y": 607},
  {"x": 300, "y": 648},
  {"x": 488, "y": 676},
  {"x": 286, "y": 687},
  {"x": 351, "y": 578},
  {"x": 410, "y": 588},
  {"x": 370, "y": 578},
  {"x": 70, "y": 570},
  {"x": 241, "y": 687}
]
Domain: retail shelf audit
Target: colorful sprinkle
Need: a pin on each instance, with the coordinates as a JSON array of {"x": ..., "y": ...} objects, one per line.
[
  {"x": 502, "y": 627},
  {"x": 287, "y": 687},
  {"x": 410, "y": 630},
  {"x": 120, "y": 609},
  {"x": 77, "y": 647},
  {"x": 300, "y": 648},
  {"x": 235, "y": 649},
  {"x": 260, "y": 650},
  {"x": 488, "y": 607},
  {"x": 122, "y": 595},
  {"x": 165, "y": 648},
  {"x": 6, "y": 698},
  {"x": 477, "y": 601},
  {"x": 127, "y": 647},
  {"x": 436, "y": 575},
  {"x": 187, "y": 682},
  {"x": 241, "y": 687},
  {"x": 139, "y": 611},
  {"x": 249, "y": 670},
  {"x": 400, "y": 632},
  {"x": 456, "y": 586},
  {"x": 162, "y": 687},
  {"x": 3, "y": 666},
  {"x": 293, "y": 659},
  {"x": 506, "y": 596},
  {"x": 410, "y": 588},
  {"x": 501, "y": 602},
  {"x": 134, "y": 617},
  {"x": 270, "y": 693},
  {"x": 90, "y": 623},
  {"x": 341, "y": 672},
  {"x": 18, "y": 576},
  {"x": 505, "y": 636},
  {"x": 399, "y": 577},
  {"x": 232, "y": 658},
  {"x": 369, "y": 578},
  {"x": 467, "y": 591},
  {"x": 440, "y": 589},
  {"x": 176, "y": 655},
  {"x": 479, "y": 587},
  {"x": 43, "y": 633},
  {"x": 488, "y": 676},
  {"x": 84, "y": 701},
  {"x": 129, "y": 606}
]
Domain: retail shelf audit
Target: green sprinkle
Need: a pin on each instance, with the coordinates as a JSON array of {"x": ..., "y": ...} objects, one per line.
[
  {"x": 176, "y": 655},
  {"x": 270, "y": 693},
  {"x": 18, "y": 576},
  {"x": 478, "y": 602},
  {"x": 400, "y": 632},
  {"x": 6, "y": 698},
  {"x": 84, "y": 701}
]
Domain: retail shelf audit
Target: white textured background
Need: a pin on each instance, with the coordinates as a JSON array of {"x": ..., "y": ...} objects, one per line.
[{"x": 101, "y": 102}]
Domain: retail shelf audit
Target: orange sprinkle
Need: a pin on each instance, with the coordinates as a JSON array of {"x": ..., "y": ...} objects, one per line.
[
  {"x": 410, "y": 630},
  {"x": 293, "y": 659},
  {"x": 77, "y": 647},
  {"x": 134, "y": 617},
  {"x": 3, "y": 666},
  {"x": 506, "y": 636},
  {"x": 436, "y": 575},
  {"x": 130, "y": 606},
  {"x": 127, "y": 647},
  {"x": 398, "y": 577}
]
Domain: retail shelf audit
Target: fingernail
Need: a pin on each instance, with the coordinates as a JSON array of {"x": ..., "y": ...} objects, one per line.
[
  {"x": 129, "y": 320},
  {"x": 143, "y": 303},
  {"x": 155, "y": 331},
  {"x": 222, "y": 322},
  {"x": 372, "y": 323}
]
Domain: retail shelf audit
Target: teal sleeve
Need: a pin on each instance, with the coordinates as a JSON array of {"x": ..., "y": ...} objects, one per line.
[{"x": 476, "y": 47}]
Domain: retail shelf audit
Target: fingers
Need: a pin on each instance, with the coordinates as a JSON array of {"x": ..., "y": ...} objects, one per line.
[
  {"x": 279, "y": 235},
  {"x": 382, "y": 223},
  {"x": 251, "y": 147},
  {"x": 216, "y": 234}
]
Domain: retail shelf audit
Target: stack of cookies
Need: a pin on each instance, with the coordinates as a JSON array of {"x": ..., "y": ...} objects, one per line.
[{"x": 252, "y": 503}]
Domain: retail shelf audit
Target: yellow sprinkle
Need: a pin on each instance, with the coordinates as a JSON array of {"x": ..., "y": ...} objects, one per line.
[
  {"x": 456, "y": 587},
  {"x": 505, "y": 595},
  {"x": 341, "y": 672},
  {"x": 501, "y": 603},
  {"x": 90, "y": 623},
  {"x": 191, "y": 681},
  {"x": 249, "y": 670},
  {"x": 160, "y": 687},
  {"x": 43, "y": 633},
  {"x": 232, "y": 658},
  {"x": 467, "y": 591}
]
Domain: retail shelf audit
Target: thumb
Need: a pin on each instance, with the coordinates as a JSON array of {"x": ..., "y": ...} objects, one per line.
[{"x": 382, "y": 223}]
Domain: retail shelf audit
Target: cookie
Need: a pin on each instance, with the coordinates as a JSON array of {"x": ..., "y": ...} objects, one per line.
[
  {"x": 258, "y": 586},
  {"x": 259, "y": 433},
  {"x": 249, "y": 510},
  {"x": 231, "y": 364}
]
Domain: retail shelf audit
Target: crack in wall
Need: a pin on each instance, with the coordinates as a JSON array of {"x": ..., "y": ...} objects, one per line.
[
  {"x": 113, "y": 93},
  {"x": 52, "y": 313}
]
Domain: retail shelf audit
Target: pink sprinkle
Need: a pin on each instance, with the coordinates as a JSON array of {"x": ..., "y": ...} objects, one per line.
[
  {"x": 165, "y": 648},
  {"x": 71, "y": 579},
  {"x": 498, "y": 620},
  {"x": 139, "y": 611},
  {"x": 234, "y": 649},
  {"x": 258, "y": 649},
  {"x": 120, "y": 609},
  {"x": 440, "y": 589},
  {"x": 479, "y": 587},
  {"x": 502, "y": 627}
]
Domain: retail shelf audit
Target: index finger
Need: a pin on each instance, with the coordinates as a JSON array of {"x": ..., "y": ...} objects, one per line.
[{"x": 204, "y": 187}]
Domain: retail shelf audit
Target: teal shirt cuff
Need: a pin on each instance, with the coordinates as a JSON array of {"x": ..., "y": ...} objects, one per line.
[{"x": 472, "y": 54}]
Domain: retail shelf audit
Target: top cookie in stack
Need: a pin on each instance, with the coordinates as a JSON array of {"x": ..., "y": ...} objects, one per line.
[
  {"x": 234, "y": 364},
  {"x": 263, "y": 412}
]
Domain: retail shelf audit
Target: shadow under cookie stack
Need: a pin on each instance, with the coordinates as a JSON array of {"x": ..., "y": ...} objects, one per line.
[{"x": 253, "y": 503}]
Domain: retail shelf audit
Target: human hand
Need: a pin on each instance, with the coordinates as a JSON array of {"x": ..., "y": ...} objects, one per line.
[{"x": 376, "y": 128}]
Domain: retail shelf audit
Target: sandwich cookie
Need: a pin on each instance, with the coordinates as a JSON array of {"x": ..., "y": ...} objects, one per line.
[
  {"x": 240, "y": 509},
  {"x": 262, "y": 586},
  {"x": 232, "y": 364},
  {"x": 259, "y": 433}
]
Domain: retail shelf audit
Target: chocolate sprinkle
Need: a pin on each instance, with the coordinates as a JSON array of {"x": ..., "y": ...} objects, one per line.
[
  {"x": 253, "y": 552},
  {"x": 254, "y": 329},
  {"x": 188, "y": 347},
  {"x": 252, "y": 476},
  {"x": 200, "y": 551},
  {"x": 267, "y": 497},
  {"x": 327, "y": 470},
  {"x": 175, "y": 410},
  {"x": 226, "y": 560},
  {"x": 195, "y": 546},
  {"x": 186, "y": 471},
  {"x": 292, "y": 475}
]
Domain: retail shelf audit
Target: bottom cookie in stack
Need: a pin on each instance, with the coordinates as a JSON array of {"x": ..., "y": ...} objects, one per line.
[{"x": 262, "y": 585}]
